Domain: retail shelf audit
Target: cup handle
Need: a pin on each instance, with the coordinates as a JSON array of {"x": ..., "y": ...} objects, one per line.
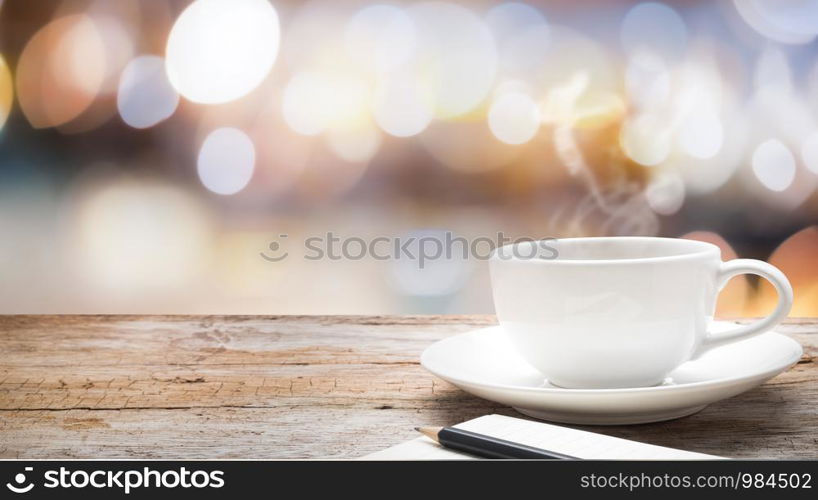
[{"x": 772, "y": 274}]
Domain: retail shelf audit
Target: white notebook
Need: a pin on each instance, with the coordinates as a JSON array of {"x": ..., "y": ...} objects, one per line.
[{"x": 576, "y": 443}]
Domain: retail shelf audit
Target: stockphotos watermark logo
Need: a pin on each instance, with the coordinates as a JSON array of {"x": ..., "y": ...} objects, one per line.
[
  {"x": 21, "y": 482},
  {"x": 122, "y": 480},
  {"x": 419, "y": 246}
]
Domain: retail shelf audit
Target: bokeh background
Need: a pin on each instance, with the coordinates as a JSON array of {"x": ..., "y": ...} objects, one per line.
[{"x": 151, "y": 150}]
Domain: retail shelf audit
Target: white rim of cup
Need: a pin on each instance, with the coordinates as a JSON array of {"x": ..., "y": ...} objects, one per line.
[{"x": 705, "y": 249}]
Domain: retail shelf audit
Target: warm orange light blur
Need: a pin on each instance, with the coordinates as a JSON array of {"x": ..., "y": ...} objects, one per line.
[
  {"x": 797, "y": 256},
  {"x": 6, "y": 91},
  {"x": 61, "y": 71},
  {"x": 733, "y": 299}
]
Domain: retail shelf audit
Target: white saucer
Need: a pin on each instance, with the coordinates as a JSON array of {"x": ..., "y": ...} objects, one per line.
[{"x": 483, "y": 363}]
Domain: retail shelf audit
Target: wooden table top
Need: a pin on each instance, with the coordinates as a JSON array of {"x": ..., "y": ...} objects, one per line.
[{"x": 181, "y": 387}]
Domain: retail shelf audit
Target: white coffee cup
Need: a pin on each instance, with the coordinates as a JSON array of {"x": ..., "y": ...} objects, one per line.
[{"x": 617, "y": 312}]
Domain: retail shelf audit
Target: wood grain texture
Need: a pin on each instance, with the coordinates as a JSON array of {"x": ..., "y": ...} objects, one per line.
[{"x": 301, "y": 387}]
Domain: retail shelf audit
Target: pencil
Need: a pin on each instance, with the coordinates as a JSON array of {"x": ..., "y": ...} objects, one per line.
[{"x": 487, "y": 446}]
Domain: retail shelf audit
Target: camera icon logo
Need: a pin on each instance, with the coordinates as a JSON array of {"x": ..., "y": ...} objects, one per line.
[{"x": 20, "y": 479}]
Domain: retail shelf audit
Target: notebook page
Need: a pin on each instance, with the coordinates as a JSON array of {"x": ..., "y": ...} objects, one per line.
[
  {"x": 421, "y": 448},
  {"x": 580, "y": 444}
]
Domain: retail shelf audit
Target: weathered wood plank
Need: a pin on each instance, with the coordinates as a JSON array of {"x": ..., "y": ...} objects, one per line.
[{"x": 296, "y": 387}]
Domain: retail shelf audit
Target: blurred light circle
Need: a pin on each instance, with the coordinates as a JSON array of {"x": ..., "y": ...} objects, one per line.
[
  {"x": 706, "y": 175},
  {"x": 61, "y": 71},
  {"x": 354, "y": 144},
  {"x": 350, "y": 104},
  {"x": 507, "y": 19},
  {"x": 456, "y": 53},
  {"x": 645, "y": 140},
  {"x": 316, "y": 100},
  {"x": 701, "y": 134},
  {"x": 781, "y": 112},
  {"x": 772, "y": 71},
  {"x": 117, "y": 24},
  {"x": 809, "y": 152},
  {"x": 666, "y": 193},
  {"x": 138, "y": 235},
  {"x": 514, "y": 118},
  {"x": 118, "y": 38},
  {"x": 522, "y": 35},
  {"x": 6, "y": 91},
  {"x": 647, "y": 79},
  {"x": 220, "y": 50},
  {"x": 119, "y": 43},
  {"x": 700, "y": 93},
  {"x": 786, "y": 21},
  {"x": 774, "y": 165},
  {"x": 381, "y": 37},
  {"x": 145, "y": 95},
  {"x": 811, "y": 93},
  {"x": 83, "y": 40},
  {"x": 306, "y": 103},
  {"x": 315, "y": 35},
  {"x": 654, "y": 26},
  {"x": 403, "y": 104},
  {"x": 226, "y": 161},
  {"x": 526, "y": 51},
  {"x": 573, "y": 57}
]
